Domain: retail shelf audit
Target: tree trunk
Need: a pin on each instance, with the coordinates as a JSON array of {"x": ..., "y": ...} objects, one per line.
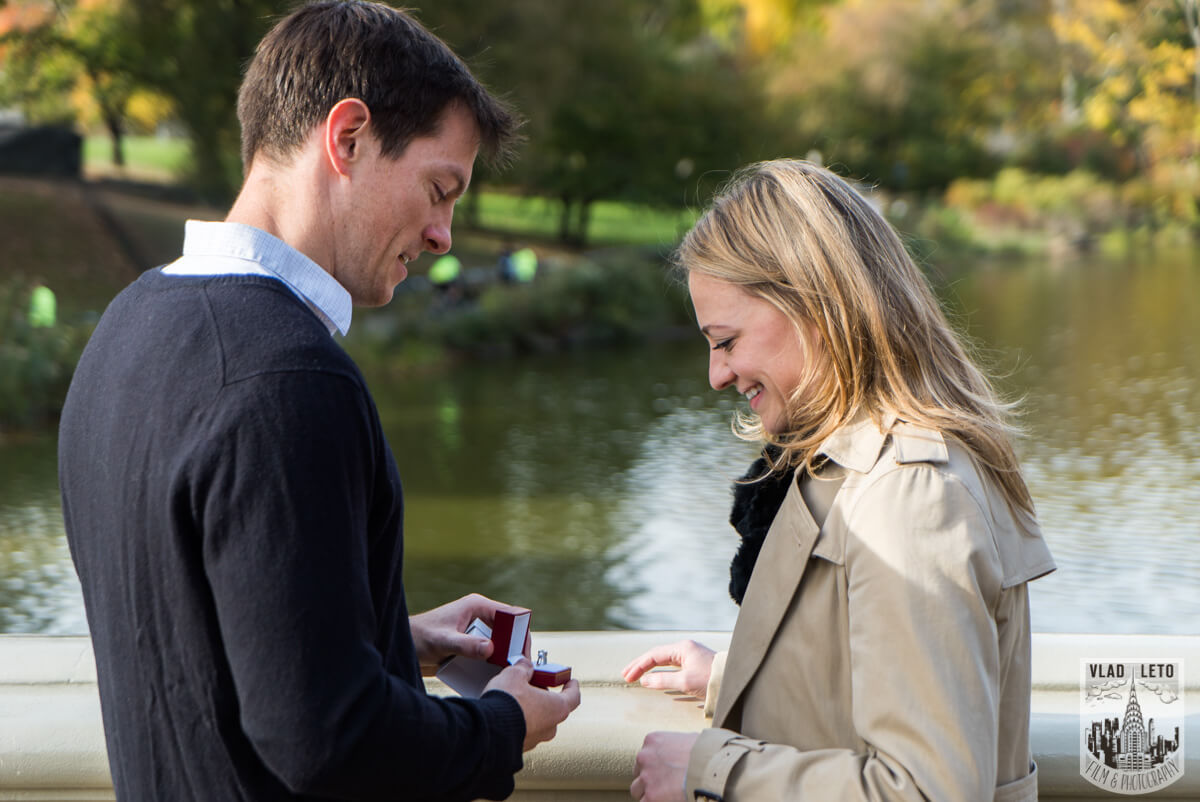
[
  {"x": 1191, "y": 12},
  {"x": 470, "y": 206},
  {"x": 1069, "y": 102},
  {"x": 210, "y": 178},
  {"x": 581, "y": 226},
  {"x": 564, "y": 220},
  {"x": 118, "y": 142}
]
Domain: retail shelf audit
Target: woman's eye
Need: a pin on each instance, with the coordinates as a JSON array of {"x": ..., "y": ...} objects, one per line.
[{"x": 723, "y": 345}]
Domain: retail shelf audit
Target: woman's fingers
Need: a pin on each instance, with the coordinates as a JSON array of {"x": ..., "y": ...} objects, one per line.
[{"x": 666, "y": 655}]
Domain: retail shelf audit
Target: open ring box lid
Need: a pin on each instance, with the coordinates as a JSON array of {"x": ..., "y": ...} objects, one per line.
[{"x": 509, "y": 634}]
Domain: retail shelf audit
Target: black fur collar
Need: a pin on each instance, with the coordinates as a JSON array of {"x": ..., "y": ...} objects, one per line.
[{"x": 754, "y": 507}]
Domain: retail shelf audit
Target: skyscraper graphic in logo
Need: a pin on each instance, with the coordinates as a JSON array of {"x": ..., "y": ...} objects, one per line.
[{"x": 1131, "y": 712}]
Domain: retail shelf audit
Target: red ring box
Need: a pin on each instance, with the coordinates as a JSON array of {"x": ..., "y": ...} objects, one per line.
[
  {"x": 509, "y": 633},
  {"x": 550, "y": 675}
]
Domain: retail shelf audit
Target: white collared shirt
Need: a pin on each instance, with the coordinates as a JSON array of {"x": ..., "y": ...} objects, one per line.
[{"x": 236, "y": 249}]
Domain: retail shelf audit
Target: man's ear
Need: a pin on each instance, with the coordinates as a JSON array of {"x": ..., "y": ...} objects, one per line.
[{"x": 345, "y": 133}]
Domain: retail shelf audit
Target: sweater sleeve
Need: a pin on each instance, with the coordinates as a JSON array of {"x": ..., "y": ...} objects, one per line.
[{"x": 284, "y": 500}]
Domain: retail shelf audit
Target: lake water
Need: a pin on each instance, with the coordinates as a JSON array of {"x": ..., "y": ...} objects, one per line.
[{"x": 595, "y": 487}]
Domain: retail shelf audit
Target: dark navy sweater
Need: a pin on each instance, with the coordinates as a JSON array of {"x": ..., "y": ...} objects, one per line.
[{"x": 235, "y": 517}]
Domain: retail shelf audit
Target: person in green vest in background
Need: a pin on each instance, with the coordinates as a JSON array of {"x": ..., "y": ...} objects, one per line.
[
  {"x": 445, "y": 271},
  {"x": 43, "y": 308},
  {"x": 446, "y": 276},
  {"x": 524, "y": 264}
]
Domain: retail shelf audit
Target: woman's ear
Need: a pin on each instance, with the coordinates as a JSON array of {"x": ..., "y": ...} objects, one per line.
[{"x": 345, "y": 133}]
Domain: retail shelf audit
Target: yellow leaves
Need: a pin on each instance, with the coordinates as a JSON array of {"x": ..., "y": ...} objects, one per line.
[
  {"x": 1173, "y": 65},
  {"x": 142, "y": 112},
  {"x": 147, "y": 109},
  {"x": 1119, "y": 86},
  {"x": 1100, "y": 112},
  {"x": 1142, "y": 78},
  {"x": 764, "y": 26},
  {"x": 1077, "y": 31},
  {"x": 767, "y": 24},
  {"x": 87, "y": 110}
]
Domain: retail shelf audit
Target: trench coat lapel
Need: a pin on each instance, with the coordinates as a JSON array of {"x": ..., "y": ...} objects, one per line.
[{"x": 777, "y": 574}]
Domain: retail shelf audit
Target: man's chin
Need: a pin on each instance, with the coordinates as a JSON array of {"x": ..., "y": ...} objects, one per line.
[{"x": 380, "y": 296}]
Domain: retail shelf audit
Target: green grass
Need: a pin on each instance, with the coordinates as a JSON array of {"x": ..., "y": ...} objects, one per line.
[
  {"x": 146, "y": 154},
  {"x": 611, "y": 223}
]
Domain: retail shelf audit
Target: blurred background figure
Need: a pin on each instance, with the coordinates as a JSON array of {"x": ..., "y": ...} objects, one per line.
[
  {"x": 524, "y": 265},
  {"x": 42, "y": 307},
  {"x": 504, "y": 264},
  {"x": 446, "y": 276}
]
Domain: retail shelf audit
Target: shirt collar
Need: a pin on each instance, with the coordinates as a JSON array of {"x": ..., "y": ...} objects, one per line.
[{"x": 222, "y": 246}]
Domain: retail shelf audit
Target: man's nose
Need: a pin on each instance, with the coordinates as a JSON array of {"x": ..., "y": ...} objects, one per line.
[{"x": 437, "y": 235}]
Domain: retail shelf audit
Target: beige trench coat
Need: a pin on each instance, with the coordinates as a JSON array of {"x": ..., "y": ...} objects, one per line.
[{"x": 884, "y": 655}]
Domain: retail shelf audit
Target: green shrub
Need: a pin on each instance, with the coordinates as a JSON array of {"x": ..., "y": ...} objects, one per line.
[
  {"x": 609, "y": 300},
  {"x": 36, "y": 363},
  {"x": 943, "y": 229}
]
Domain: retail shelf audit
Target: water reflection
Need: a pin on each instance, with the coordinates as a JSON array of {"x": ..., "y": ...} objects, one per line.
[
  {"x": 38, "y": 589},
  {"x": 548, "y": 488},
  {"x": 594, "y": 488},
  {"x": 1110, "y": 365}
]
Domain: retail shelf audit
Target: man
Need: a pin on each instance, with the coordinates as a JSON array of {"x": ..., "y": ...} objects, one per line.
[{"x": 233, "y": 510}]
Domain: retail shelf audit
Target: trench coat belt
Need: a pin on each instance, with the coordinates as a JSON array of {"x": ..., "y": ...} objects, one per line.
[{"x": 720, "y": 765}]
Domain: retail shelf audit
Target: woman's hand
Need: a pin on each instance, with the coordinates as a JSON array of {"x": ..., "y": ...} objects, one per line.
[
  {"x": 694, "y": 661},
  {"x": 660, "y": 772}
]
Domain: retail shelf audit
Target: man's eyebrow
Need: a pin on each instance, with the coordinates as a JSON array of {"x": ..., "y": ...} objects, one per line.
[{"x": 460, "y": 180}]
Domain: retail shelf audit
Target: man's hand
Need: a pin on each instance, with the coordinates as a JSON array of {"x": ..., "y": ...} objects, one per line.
[
  {"x": 694, "y": 661},
  {"x": 441, "y": 632},
  {"x": 544, "y": 710},
  {"x": 660, "y": 771}
]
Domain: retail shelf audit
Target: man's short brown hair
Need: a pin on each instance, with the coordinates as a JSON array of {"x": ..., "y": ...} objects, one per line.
[{"x": 327, "y": 51}]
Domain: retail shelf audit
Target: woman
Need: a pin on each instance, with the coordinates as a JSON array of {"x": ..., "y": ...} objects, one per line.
[{"x": 882, "y": 648}]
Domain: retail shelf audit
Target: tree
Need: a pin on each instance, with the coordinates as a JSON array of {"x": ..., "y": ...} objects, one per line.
[
  {"x": 626, "y": 100},
  {"x": 763, "y": 29},
  {"x": 1138, "y": 61},
  {"x": 193, "y": 51},
  {"x": 71, "y": 59},
  {"x": 91, "y": 35},
  {"x": 900, "y": 92},
  {"x": 1191, "y": 14},
  {"x": 33, "y": 78}
]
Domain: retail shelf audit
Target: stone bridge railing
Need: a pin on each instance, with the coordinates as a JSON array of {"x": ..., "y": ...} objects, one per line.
[{"x": 52, "y": 744}]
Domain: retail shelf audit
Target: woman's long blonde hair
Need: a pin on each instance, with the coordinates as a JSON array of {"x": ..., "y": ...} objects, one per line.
[{"x": 801, "y": 238}]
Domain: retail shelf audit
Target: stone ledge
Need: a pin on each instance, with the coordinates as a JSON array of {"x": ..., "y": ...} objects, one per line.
[{"x": 52, "y": 741}]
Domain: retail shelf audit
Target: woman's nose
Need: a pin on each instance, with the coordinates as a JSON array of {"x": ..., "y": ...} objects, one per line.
[{"x": 719, "y": 374}]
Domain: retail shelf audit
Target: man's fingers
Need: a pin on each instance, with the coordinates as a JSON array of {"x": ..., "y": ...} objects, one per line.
[
  {"x": 467, "y": 645},
  {"x": 484, "y": 608},
  {"x": 571, "y": 694},
  {"x": 523, "y": 668}
]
